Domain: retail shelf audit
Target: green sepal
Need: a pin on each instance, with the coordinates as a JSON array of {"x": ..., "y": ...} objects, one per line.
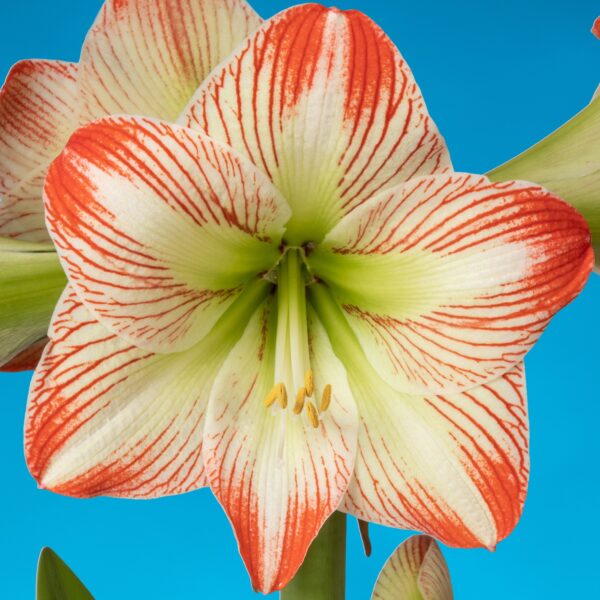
[{"x": 56, "y": 581}]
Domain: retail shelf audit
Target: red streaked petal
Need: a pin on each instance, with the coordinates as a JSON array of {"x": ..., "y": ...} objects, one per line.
[
  {"x": 277, "y": 478},
  {"x": 449, "y": 280},
  {"x": 322, "y": 101},
  {"x": 416, "y": 569},
  {"x": 38, "y": 112},
  {"x": 596, "y": 28},
  {"x": 159, "y": 228},
  {"x": 455, "y": 466},
  {"x": 106, "y": 418},
  {"x": 148, "y": 58}
]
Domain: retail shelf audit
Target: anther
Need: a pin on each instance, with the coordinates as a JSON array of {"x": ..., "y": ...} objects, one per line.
[
  {"x": 326, "y": 398},
  {"x": 313, "y": 415},
  {"x": 300, "y": 397},
  {"x": 309, "y": 383},
  {"x": 283, "y": 398},
  {"x": 273, "y": 396}
]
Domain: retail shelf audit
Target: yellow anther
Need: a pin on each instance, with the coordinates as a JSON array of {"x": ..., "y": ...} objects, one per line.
[
  {"x": 300, "y": 397},
  {"x": 309, "y": 383},
  {"x": 326, "y": 398},
  {"x": 272, "y": 396},
  {"x": 283, "y": 398},
  {"x": 313, "y": 415}
]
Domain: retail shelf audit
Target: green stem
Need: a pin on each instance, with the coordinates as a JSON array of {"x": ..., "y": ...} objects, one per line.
[
  {"x": 31, "y": 281},
  {"x": 322, "y": 576}
]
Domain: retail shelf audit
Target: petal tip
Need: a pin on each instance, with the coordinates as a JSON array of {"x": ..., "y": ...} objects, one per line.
[{"x": 596, "y": 27}]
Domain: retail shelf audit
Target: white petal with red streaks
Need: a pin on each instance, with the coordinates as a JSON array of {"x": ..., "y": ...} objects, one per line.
[
  {"x": 416, "y": 570},
  {"x": 277, "y": 478},
  {"x": 449, "y": 280},
  {"x": 145, "y": 57},
  {"x": 455, "y": 467},
  {"x": 38, "y": 112},
  {"x": 322, "y": 101},
  {"x": 106, "y": 418},
  {"x": 159, "y": 228}
]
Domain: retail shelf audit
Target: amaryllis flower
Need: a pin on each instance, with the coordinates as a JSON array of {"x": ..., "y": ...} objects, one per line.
[
  {"x": 416, "y": 570},
  {"x": 291, "y": 298},
  {"x": 142, "y": 57}
]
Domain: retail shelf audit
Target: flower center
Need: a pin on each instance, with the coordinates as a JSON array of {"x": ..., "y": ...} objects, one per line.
[{"x": 294, "y": 386}]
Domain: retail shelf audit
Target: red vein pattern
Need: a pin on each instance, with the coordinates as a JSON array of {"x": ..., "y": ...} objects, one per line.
[
  {"x": 38, "y": 112},
  {"x": 449, "y": 280},
  {"x": 147, "y": 57},
  {"x": 416, "y": 569},
  {"x": 277, "y": 478},
  {"x": 322, "y": 101},
  {"x": 106, "y": 418},
  {"x": 454, "y": 466},
  {"x": 159, "y": 227}
]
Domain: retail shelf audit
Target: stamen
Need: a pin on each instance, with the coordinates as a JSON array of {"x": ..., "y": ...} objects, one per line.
[
  {"x": 326, "y": 398},
  {"x": 300, "y": 397},
  {"x": 273, "y": 395},
  {"x": 313, "y": 415},
  {"x": 309, "y": 383},
  {"x": 283, "y": 397}
]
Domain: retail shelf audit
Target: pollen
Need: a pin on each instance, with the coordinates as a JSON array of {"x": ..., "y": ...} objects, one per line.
[
  {"x": 309, "y": 383},
  {"x": 326, "y": 398},
  {"x": 300, "y": 397},
  {"x": 313, "y": 414},
  {"x": 277, "y": 393},
  {"x": 283, "y": 397}
]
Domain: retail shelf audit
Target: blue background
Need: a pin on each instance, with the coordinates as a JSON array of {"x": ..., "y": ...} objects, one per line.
[{"x": 497, "y": 76}]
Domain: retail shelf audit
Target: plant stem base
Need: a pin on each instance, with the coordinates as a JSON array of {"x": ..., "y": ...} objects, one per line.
[{"x": 322, "y": 576}]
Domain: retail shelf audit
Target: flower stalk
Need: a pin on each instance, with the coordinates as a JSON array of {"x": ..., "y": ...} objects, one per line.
[
  {"x": 322, "y": 575},
  {"x": 31, "y": 281}
]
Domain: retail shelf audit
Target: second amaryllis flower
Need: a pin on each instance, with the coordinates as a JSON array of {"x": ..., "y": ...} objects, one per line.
[
  {"x": 142, "y": 57},
  {"x": 291, "y": 298}
]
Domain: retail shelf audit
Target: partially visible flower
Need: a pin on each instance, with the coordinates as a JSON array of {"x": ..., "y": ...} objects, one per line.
[
  {"x": 143, "y": 57},
  {"x": 416, "y": 570},
  {"x": 596, "y": 28},
  {"x": 567, "y": 162},
  {"x": 293, "y": 299}
]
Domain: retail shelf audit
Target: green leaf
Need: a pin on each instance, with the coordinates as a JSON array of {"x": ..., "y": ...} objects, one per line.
[{"x": 55, "y": 581}]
